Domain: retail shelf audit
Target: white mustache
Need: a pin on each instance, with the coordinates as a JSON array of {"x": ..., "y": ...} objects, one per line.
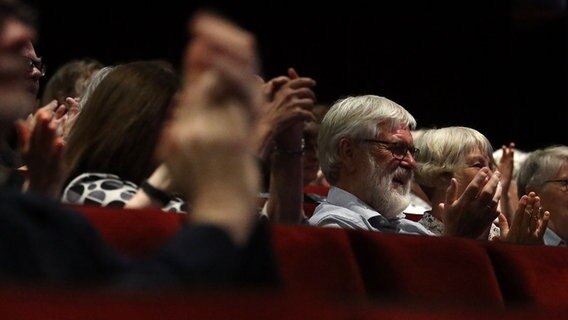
[{"x": 402, "y": 174}]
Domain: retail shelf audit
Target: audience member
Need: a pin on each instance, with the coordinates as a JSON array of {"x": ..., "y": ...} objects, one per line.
[
  {"x": 545, "y": 172},
  {"x": 111, "y": 148},
  {"x": 367, "y": 154},
  {"x": 45, "y": 243},
  {"x": 459, "y": 153}
]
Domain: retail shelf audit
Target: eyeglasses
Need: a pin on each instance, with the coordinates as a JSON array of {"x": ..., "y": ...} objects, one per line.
[
  {"x": 399, "y": 151},
  {"x": 38, "y": 64},
  {"x": 563, "y": 183}
]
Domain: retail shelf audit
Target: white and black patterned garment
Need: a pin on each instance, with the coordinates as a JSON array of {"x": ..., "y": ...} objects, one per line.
[
  {"x": 108, "y": 190},
  {"x": 437, "y": 227}
]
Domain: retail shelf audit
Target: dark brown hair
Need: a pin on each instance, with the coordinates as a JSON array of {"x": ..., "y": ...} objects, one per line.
[{"x": 119, "y": 126}]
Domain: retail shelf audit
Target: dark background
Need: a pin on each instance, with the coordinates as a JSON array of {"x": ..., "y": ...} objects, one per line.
[{"x": 497, "y": 66}]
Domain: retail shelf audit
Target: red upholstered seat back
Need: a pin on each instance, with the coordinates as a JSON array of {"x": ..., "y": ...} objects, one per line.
[
  {"x": 531, "y": 275},
  {"x": 133, "y": 232},
  {"x": 319, "y": 190},
  {"x": 317, "y": 261},
  {"x": 422, "y": 269}
]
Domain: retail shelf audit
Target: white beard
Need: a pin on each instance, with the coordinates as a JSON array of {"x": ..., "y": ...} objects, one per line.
[{"x": 389, "y": 201}]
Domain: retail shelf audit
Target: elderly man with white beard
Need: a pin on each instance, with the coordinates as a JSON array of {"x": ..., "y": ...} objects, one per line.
[{"x": 366, "y": 153}]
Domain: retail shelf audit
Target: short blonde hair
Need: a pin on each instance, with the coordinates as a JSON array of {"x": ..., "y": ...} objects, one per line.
[{"x": 444, "y": 150}]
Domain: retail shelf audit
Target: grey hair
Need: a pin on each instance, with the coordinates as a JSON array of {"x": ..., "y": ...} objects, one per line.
[
  {"x": 444, "y": 150},
  {"x": 356, "y": 118},
  {"x": 93, "y": 84},
  {"x": 539, "y": 166}
]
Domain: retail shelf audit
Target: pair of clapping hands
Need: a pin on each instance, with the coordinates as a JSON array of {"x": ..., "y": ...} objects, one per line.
[{"x": 471, "y": 214}]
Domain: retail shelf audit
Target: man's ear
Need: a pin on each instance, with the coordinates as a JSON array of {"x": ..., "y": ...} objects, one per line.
[{"x": 346, "y": 151}]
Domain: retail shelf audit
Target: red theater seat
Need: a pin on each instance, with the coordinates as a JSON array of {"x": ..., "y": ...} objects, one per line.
[
  {"x": 531, "y": 275},
  {"x": 317, "y": 261},
  {"x": 421, "y": 269},
  {"x": 133, "y": 232}
]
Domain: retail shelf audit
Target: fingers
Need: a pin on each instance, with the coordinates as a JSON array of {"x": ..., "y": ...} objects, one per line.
[
  {"x": 535, "y": 213},
  {"x": 302, "y": 82},
  {"x": 497, "y": 195},
  {"x": 215, "y": 37},
  {"x": 72, "y": 102},
  {"x": 507, "y": 151},
  {"x": 489, "y": 193},
  {"x": 531, "y": 221},
  {"x": 524, "y": 213},
  {"x": 472, "y": 189},
  {"x": 299, "y": 93},
  {"x": 292, "y": 73},
  {"x": 43, "y": 134},
  {"x": 520, "y": 219},
  {"x": 542, "y": 225},
  {"x": 73, "y": 112},
  {"x": 503, "y": 225},
  {"x": 273, "y": 85},
  {"x": 50, "y": 106},
  {"x": 24, "y": 134},
  {"x": 60, "y": 111}
]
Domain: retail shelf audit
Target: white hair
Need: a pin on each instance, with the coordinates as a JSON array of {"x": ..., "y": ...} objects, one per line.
[{"x": 356, "y": 118}]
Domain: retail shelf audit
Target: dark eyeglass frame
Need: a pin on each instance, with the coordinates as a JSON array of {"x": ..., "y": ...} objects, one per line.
[
  {"x": 563, "y": 183},
  {"x": 38, "y": 64},
  {"x": 397, "y": 150}
]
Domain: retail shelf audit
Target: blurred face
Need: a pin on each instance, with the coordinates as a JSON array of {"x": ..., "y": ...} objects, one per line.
[
  {"x": 388, "y": 176},
  {"x": 473, "y": 163},
  {"x": 15, "y": 100},
  {"x": 554, "y": 198},
  {"x": 16, "y": 38},
  {"x": 17, "y": 90}
]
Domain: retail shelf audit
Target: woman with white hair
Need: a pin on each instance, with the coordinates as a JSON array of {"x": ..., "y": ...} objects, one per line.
[{"x": 458, "y": 153}]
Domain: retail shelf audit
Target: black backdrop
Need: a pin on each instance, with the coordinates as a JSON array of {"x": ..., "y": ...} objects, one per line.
[{"x": 497, "y": 66}]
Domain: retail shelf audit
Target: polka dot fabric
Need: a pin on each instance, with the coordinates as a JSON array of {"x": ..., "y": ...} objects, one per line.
[{"x": 108, "y": 190}]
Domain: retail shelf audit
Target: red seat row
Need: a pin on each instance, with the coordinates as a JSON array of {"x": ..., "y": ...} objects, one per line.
[{"x": 369, "y": 269}]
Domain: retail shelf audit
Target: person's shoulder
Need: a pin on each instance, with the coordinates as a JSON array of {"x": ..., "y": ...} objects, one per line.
[{"x": 326, "y": 213}]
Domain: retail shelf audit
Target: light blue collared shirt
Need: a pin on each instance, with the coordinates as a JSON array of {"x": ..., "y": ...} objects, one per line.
[
  {"x": 552, "y": 239},
  {"x": 344, "y": 210}
]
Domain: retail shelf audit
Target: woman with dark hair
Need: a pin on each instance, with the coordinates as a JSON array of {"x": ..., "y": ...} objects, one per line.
[{"x": 110, "y": 149}]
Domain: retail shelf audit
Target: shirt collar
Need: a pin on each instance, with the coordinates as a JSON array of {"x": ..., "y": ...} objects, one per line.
[
  {"x": 342, "y": 198},
  {"x": 552, "y": 239}
]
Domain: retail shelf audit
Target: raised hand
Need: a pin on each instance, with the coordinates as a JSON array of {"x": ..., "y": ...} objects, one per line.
[
  {"x": 207, "y": 146},
  {"x": 288, "y": 102},
  {"x": 529, "y": 222},
  {"x": 472, "y": 213},
  {"x": 42, "y": 151},
  {"x": 68, "y": 120},
  {"x": 506, "y": 165}
]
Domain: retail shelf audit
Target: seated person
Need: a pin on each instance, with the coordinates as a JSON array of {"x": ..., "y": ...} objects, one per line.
[
  {"x": 45, "y": 243},
  {"x": 545, "y": 172},
  {"x": 367, "y": 155}
]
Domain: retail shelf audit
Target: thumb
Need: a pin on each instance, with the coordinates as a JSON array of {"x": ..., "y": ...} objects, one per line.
[
  {"x": 503, "y": 225},
  {"x": 452, "y": 192}
]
